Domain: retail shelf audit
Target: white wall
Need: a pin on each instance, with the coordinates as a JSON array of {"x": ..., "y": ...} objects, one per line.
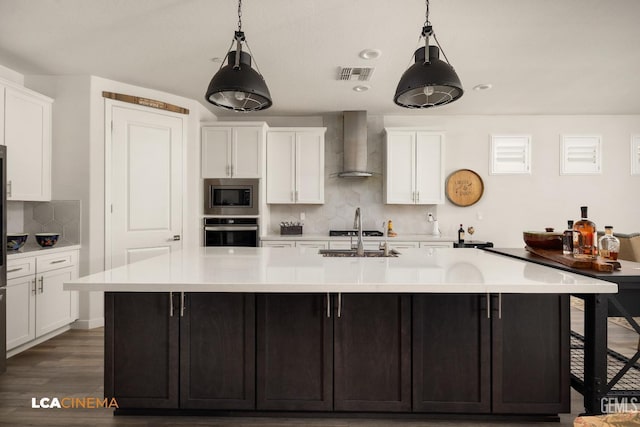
[{"x": 510, "y": 204}]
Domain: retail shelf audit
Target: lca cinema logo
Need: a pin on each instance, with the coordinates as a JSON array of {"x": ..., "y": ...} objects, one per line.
[{"x": 73, "y": 403}]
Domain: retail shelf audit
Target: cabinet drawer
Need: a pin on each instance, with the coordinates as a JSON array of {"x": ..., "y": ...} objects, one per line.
[
  {"x": 21, "y": 267},
  {"x": 56, "y": 261}
]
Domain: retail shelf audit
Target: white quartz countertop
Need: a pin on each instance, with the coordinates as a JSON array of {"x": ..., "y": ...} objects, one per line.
[
  {"x": 326, "y": 237},
  {"x": 439, "y": 270},
  {"x": 33, "y": 249}
]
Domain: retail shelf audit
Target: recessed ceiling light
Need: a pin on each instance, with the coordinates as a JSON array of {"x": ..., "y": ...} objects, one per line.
[
  {"x": 483, "y": 86},
  {"x": 370, "y": 54},
  {"x": 361, "y": 88}
]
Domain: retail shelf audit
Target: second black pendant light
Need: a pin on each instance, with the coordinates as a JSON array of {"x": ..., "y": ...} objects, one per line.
[{"x": 429, "y": 82}]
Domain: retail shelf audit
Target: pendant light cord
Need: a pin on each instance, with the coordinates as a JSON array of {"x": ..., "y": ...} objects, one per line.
[{"x": 239, "y": 15}]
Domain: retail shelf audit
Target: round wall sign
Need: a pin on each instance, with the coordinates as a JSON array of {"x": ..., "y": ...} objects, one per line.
[{"x": 464, "y": 187}]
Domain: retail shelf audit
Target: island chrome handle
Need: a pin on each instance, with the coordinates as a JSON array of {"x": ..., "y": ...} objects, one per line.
[
  {"x": 417, "y": 196},
  {"x": 13, "y": 270},
  {"x": 488, "y": 306},
  {"x": 183, "y": 304},
  {"x": 9, "y": 188},
  {"x": 34, "y": 287},
  {"x": 339, "y": 304},
  {"x": 58, "y": 261},
  {"x": 170, "y": 304},
  {"x": 328, "y": 305},
  {"x": 499, "y": 306},
  {"x": 41, "y": 279}
]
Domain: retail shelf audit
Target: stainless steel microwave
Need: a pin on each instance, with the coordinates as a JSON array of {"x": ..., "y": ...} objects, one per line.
[{"x": 231, "y": 196}]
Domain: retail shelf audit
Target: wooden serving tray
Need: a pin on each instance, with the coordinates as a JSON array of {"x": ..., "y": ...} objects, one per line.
[{"x": 570, "y": 261}]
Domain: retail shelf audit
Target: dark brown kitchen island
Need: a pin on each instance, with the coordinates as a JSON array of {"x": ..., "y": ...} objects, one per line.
[{"x": 591, "y": 380}]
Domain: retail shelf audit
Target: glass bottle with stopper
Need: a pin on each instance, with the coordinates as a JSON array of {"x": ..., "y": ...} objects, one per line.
[
  {"x": 609, "y": 244},
  {"x": 585, "y": 238}
]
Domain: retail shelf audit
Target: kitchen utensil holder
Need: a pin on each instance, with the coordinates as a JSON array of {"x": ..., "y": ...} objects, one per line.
[{"x": 290, "y": 230}]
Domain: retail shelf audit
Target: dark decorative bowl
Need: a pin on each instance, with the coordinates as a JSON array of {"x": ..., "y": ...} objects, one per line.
[
  {"x": 47, "y": 240},
  {"x": 543, "y": 239},
  {"x": 16, "y": 241}
]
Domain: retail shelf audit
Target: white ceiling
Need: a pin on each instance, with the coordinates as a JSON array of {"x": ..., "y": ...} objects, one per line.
[{"x": 541, "y": 56}]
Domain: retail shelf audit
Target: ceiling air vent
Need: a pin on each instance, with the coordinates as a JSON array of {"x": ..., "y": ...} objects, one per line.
[{"x": 362, "y": 74}]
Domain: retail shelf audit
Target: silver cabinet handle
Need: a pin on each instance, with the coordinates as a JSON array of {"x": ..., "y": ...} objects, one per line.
[
  {"x": 231, "y": 168},
  {"x": 417, "y": 196},
  {"x": 232, "y": 228},
  {"x": 488, "y": 305},
  {"x": 170, "y": 304},
  {"x": 499, "y": 306},
  {"x": 34, "y": 287},
  {"x": 339, "y": 304},
  {"x": 9, "y": 188},
  {"x": 297, "y": 197},
  {"x": 41, "y": 279},
  {"x": 328, "y": 305},
  {"x": 182, "y": 304},
  {"x": 58, "y": 261},
  {"x": 13, "y": 270}
]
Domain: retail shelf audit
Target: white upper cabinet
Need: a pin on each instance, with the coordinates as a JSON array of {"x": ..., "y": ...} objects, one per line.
[
  {"x": 414, "y": 167},
  {"x": 232, "y": 151},
  {"x": 27, "y": 135},
  {"x": 295, "y": 165}
]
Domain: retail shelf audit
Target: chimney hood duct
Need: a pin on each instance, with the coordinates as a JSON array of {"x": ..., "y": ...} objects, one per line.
[{"x": 355, "y": 145}]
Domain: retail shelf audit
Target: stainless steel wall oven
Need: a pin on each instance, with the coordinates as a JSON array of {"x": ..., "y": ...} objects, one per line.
[{"x": 228, "y": 231}]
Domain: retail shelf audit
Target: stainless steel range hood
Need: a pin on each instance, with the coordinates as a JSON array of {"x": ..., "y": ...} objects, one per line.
[{"x": 355, "y": 145}]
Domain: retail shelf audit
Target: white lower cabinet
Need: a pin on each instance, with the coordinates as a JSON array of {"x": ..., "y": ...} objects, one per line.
[
  {"x": 278, "y": 244},
  {"x": 36, "y": 302},
  {"x": 312, "y": 244}
]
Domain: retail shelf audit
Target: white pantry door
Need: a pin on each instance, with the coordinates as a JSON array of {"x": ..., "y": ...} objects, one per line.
[{"x": 143, "y": 184}]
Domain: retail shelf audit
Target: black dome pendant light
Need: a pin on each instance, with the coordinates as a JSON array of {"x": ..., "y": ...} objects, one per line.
[
  {"x": 430, "y": 82},
  {"x": 236, "y": 86}
]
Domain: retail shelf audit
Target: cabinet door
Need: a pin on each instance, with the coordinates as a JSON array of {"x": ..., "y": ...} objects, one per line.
[
  {"x": 54, "y": 305},
  {"x": 217, "y": 351},
  {"x": 21, "y": 313},
  {"x": 451, "y": 354},
  {"x": 531, "y": 354},
  {"x": 141, "y": 349},
  {"x": 429, "y": 168},
  {"x": 373, "y": 353},
  {"x": 281, "y": 167},
  {"x": 216, "y": 152},
  {"x": 27, "y": 133},
  {"x": 399, "y": 180},
  {"x": 247, "y": 152},
  {"x": 294, "y": 353},
  {"x": 309, "y": 167}
]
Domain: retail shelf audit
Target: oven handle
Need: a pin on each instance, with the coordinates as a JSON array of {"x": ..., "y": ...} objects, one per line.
[{"x": 232, "y": 228}]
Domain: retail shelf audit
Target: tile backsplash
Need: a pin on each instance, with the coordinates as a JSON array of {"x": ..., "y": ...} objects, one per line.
[
  {"x": 56, "y": 216},
  {"x": 344, "y": 195}
]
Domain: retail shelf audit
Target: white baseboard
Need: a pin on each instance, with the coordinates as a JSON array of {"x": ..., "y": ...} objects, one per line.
[
  {"x": 39, "y": 340},
  {"x": 88, "y": 324}
]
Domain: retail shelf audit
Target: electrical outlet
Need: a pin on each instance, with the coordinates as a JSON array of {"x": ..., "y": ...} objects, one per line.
[
  {"x": 479, "y": 216},
  {"x": 302, "y": 216}
]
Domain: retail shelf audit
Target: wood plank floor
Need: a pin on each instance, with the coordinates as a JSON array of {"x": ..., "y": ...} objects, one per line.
[{"x": 71, "y": 365}]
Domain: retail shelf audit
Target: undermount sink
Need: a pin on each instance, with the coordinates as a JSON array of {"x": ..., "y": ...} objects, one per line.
[{"x": 353, "y": 253}]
